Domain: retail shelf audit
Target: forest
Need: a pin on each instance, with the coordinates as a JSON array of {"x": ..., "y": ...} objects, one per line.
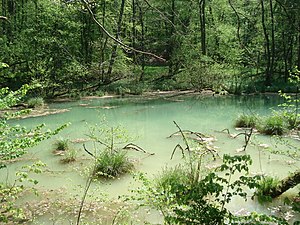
[
  {"x": 227, "y": 73},
  {"x": 89, "y": 46}
]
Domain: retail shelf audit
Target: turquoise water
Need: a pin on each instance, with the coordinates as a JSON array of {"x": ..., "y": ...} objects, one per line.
[{"x": 149, "y": 122}]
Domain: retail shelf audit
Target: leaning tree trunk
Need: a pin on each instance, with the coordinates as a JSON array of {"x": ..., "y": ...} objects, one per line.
[{"x": 286, "y": 184}]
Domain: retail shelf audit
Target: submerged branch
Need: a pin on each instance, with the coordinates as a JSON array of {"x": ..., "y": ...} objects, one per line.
[{"x": 136, "y": 148}]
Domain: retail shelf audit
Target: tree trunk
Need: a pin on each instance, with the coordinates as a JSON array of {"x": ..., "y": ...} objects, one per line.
[
  {"x": 141, "y": 19},
  {"x": 171, "y": 40},
  {"x": 267, "y": 45},
  {"x": 298, "y": 45},
  {"x": 272, "y": 39},
  {"x": 202, "y": 25},
  {"x": 114, "y": 50},
  {"x": 286, "y": 184}
]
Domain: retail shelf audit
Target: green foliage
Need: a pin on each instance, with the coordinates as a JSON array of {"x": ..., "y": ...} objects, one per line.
[
  {"x": 273, "y": 125},
  {"x": 62, "y": 144},
  {"x": 112, "y": 164},
  {"x": 183, "y": 200},
  {"x": 15, "y": 140},
  {"x": 290, "y": 107},
  {"x": 9, "y": 193},
  {"x": 111, "y": 159},
  {"x": 266, "y": 184},
  {"x": 36, "y": 102},
  {"x": 247, "y": 121}
]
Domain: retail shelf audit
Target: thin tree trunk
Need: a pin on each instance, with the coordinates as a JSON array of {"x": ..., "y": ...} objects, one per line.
[
  {"x": 114, "y": 50},
  {"x": 141, "y": 19},
  {"x": 202, "y": 25},
  {"x": 171, "y": 40},
  {"x": 298, "y": 45},
  {"x": 267, "y": 45},
  {"x": 272, "y": 39}
]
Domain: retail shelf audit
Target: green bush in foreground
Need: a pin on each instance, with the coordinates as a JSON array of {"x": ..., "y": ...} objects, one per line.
[{"x": 182, "y": 199}]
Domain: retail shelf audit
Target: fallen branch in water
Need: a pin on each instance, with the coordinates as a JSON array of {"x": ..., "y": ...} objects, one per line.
[
  {"x": 201, "y": 139},
  {"x": 135, "y": 147}
]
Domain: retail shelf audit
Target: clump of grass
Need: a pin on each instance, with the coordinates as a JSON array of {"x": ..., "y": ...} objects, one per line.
[
  {"x": 62, "y": 144},
  {"x": 273, "y": 125},
  {"x": 112, "y": 164},
  {"x": 172, "y": 180},
  {"x": 70, "y": 156},
  {"x": 36, "y": 102},
  {"x": 247, "y": 121},
  {"x": 265, "y": 186}
]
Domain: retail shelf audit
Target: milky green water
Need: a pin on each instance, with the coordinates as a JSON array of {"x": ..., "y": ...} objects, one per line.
[{"x": 151, "y": 122}]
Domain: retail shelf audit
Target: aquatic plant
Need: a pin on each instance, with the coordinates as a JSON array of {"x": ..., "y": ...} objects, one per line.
[
  {"x": 112, "y": 164},
  {"x": 62, "y": 144},
  {"x": 264, "y": 186},
  {"x": 35, "y": 102},
  {"x": 246, "y": 121},
  {"x": 273, "y": 125}
]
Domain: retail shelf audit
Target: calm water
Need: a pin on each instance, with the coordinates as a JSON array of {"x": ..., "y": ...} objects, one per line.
[{"x": 150, "y": 122}]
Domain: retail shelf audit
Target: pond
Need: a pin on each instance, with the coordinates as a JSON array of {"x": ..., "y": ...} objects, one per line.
[{"x": 149, "y": 121}]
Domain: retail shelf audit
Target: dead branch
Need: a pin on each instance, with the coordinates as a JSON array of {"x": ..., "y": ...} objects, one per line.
[
  {"x": 86, "y": 4},
  {"x": 198, "y": 134},
  {"x": 136, "y": 148},
  {"x": 178, "y": 146},
  {"x": 183, "y": 136},
  {"x": 88, "y": 152}
]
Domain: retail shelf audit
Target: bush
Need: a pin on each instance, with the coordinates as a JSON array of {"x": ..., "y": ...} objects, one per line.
[
  {"x": 264, "y": 187},
  {"x": 273, "y": 125},
  {"x": 247, "y": 121},
  {"x": 61, "y": 144},
  {"x": 36, "y": 102},
  {"x": 111, "y": 164}
]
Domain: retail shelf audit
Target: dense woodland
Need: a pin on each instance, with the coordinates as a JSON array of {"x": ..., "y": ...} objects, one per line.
[
  {"x": 53, "y": 48},
  {"x": 75, "y": 46}
]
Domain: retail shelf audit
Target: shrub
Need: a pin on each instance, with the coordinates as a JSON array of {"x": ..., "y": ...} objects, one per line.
[
  {"x": 61, "y": 144},
  {"x": 111, "y": 164},
  {"x": 265, "y": 185},
  {"x": 36, "y": 102},
  {"x": 273, "y": 125},
  {"x": 247, "y": 121}
]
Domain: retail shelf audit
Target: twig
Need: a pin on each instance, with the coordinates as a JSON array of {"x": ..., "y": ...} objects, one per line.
[
  {"x": 91, "y": 154},
  {"x": 115, "y": 39}
]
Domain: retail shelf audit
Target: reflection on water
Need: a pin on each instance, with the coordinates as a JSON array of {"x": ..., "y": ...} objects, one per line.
[{"x": 151, "y": 120}]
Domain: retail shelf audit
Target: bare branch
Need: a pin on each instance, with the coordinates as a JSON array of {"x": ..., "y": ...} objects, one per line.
[
  {"x": 115, "y": 39},
  {"x": 136, "y": 148}
]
